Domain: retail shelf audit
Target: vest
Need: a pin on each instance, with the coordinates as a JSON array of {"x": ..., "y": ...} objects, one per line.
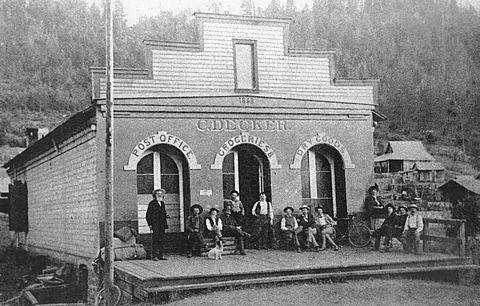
[
  {"x": 257, "y": 209},
  {"x": 213, "y": 222},
  {"x": 289, "y": 222}
]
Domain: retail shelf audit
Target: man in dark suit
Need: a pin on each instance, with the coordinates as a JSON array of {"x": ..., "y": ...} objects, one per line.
[{"x": 157, "y": 221}]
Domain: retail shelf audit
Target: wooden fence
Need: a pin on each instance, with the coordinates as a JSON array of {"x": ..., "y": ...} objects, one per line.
[{"x": 457, "y": 230}]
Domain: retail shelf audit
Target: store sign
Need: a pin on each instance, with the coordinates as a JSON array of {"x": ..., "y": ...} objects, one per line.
[
  {"x": 161, "y": 138},
  {"x": 217, "y": 125},
  {"x": 246, "y": 138},
  {"x": 321, "y": 139}
]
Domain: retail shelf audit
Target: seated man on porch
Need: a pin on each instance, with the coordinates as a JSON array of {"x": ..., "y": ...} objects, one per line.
[
  {"x": 412, "y": 230},
  {"x": 194, "y": 228},
  {"x": 386, "y": 229},
  {"x": 400, "y": 222},
  {"x": 213, "y": 225},
  {"x": 324, "y": 226},
  {"x": 238, "y": 212},
  {"x": 307, "y": 225},
  {"x": 232, "y": 229},
  {"x": 289, "y": 228}
]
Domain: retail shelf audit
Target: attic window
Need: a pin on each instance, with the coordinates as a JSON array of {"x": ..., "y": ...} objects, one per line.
[{"x": 245, "y": 65}]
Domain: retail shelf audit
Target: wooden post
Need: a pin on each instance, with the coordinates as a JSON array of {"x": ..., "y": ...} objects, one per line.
[
  {"x": 461, "y": 235},
  {"x": 109, "y": 256},
  {"x": 426, "y": 225}
]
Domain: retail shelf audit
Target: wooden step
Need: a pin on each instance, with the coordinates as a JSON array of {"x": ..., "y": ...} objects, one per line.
[{"x": 302, "y": 277}]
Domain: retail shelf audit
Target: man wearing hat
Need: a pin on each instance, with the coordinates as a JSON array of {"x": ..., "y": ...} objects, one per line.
[
  {"x": 289, "y": 228},
  {"x": 213, "y": 225},
  {"x": 194, "y": 228},
  {"x": 386, "y": 229},
  {"x": 263, "y": 212},
  {"x": 157, "y": 221},
  {"x": 231, "y": 228},
  {"x": 238, "y": 211},
  {"x": 324, "y": 226},
  {"x": 412, "y": 229},
  {"x": 307, "y": 224},
  {"x": 373, "y": 205},
  {"x": 400, "y": 222}
]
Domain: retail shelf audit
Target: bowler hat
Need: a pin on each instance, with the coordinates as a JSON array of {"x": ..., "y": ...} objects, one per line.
[
  {"x": 288, "y": 207},
  {"x": 319, "y": 206},
  {"x": 371, "y": 188},
  {"x": 402, "y": 206},
  {"x": 196, "y": 206},
  {"x": 413, "y": 206},
  {"x": 304, "y": 207},
  {"x": 391, "y": 205},
  {"x": 212, "y": 209}
]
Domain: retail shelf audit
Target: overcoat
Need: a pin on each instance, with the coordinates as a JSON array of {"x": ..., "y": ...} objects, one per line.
[{"x": 157, "y": 215}]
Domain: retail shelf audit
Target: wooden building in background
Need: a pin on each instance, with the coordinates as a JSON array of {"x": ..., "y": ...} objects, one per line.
[{"x": 239, "y": 109}]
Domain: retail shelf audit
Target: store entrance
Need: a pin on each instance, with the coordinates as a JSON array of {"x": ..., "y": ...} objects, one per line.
[{"x": 246, "y": 169}]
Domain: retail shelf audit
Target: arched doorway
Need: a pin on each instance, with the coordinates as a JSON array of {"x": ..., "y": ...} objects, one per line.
[
  {"x": 246, "y": 168},
  {"x": 163, "y": 166},
  {"x": 323, "y": 180}
]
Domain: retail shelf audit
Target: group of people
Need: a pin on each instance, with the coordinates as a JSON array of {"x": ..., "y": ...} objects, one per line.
[
  {"x": 311, "y": 226},
  {"x": 214, "y": 226},
  {"x": 316, "y": 229},
  {"x": 403, "y": 223}
]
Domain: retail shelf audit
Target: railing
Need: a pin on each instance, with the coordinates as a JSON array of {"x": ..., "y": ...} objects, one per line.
[{"x": 459, "y": 229}]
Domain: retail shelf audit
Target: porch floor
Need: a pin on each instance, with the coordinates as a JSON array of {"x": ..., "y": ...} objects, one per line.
[
  {"x": 178, "y": 266},
  {"x": 140, "y": 278}
]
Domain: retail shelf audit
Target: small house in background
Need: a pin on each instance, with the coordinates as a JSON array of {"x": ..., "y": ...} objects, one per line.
[
  {"x": 400, "y": 156},
  {"x": 460, "y": 188},
  {"x": 428, "y": 172},
  {"x": 406, "y": 166}
]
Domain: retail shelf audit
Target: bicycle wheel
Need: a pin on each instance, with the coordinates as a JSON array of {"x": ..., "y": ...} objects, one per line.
[
  {"x": 359, "y": 235},
  {"x": 100, "y": 298}
]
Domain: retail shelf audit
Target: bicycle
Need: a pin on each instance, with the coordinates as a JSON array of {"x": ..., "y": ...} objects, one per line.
[
  {"x": 98, "y": 267},
  {"x": 356, "y": 232}
]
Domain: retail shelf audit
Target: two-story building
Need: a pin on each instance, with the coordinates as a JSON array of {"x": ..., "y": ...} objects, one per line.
[{"x": 239, "y": 109}]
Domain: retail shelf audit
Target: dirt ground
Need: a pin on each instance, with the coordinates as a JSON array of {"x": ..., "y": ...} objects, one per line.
[
  {"x": 354, "y": 293},
  {"x": 9, "y": 275}
]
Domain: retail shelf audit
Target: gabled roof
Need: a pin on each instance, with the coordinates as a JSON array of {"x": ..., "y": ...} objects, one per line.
[
  {"x": 426, "y": 166},
  {"x": 405, "y": 150},
  {"x": 466, "y": 181}
]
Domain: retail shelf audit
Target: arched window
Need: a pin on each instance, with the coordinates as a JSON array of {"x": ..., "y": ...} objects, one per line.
[{"x": 318, "y": 181}]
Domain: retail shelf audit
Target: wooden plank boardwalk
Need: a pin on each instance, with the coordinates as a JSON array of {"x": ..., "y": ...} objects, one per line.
[{"x": 141, "y": 279}]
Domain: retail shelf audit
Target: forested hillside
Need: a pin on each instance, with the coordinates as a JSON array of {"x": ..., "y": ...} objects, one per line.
[{"x": 424, "y": 52}]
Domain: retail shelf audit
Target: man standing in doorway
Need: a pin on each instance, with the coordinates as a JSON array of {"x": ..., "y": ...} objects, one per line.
[
  {"x": 263, "y": 211},
  {"x": 157, "y": 221}
]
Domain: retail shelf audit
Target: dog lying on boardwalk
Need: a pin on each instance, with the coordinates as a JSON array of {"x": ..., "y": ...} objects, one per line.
[{"x": 216, "y": 252}]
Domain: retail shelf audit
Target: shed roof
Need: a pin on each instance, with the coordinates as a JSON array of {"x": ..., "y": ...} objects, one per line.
[
  {"x": 405, "y": 150},
  {"x": 466, "y": 181},
  {"x": 426, "y": 166}
]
